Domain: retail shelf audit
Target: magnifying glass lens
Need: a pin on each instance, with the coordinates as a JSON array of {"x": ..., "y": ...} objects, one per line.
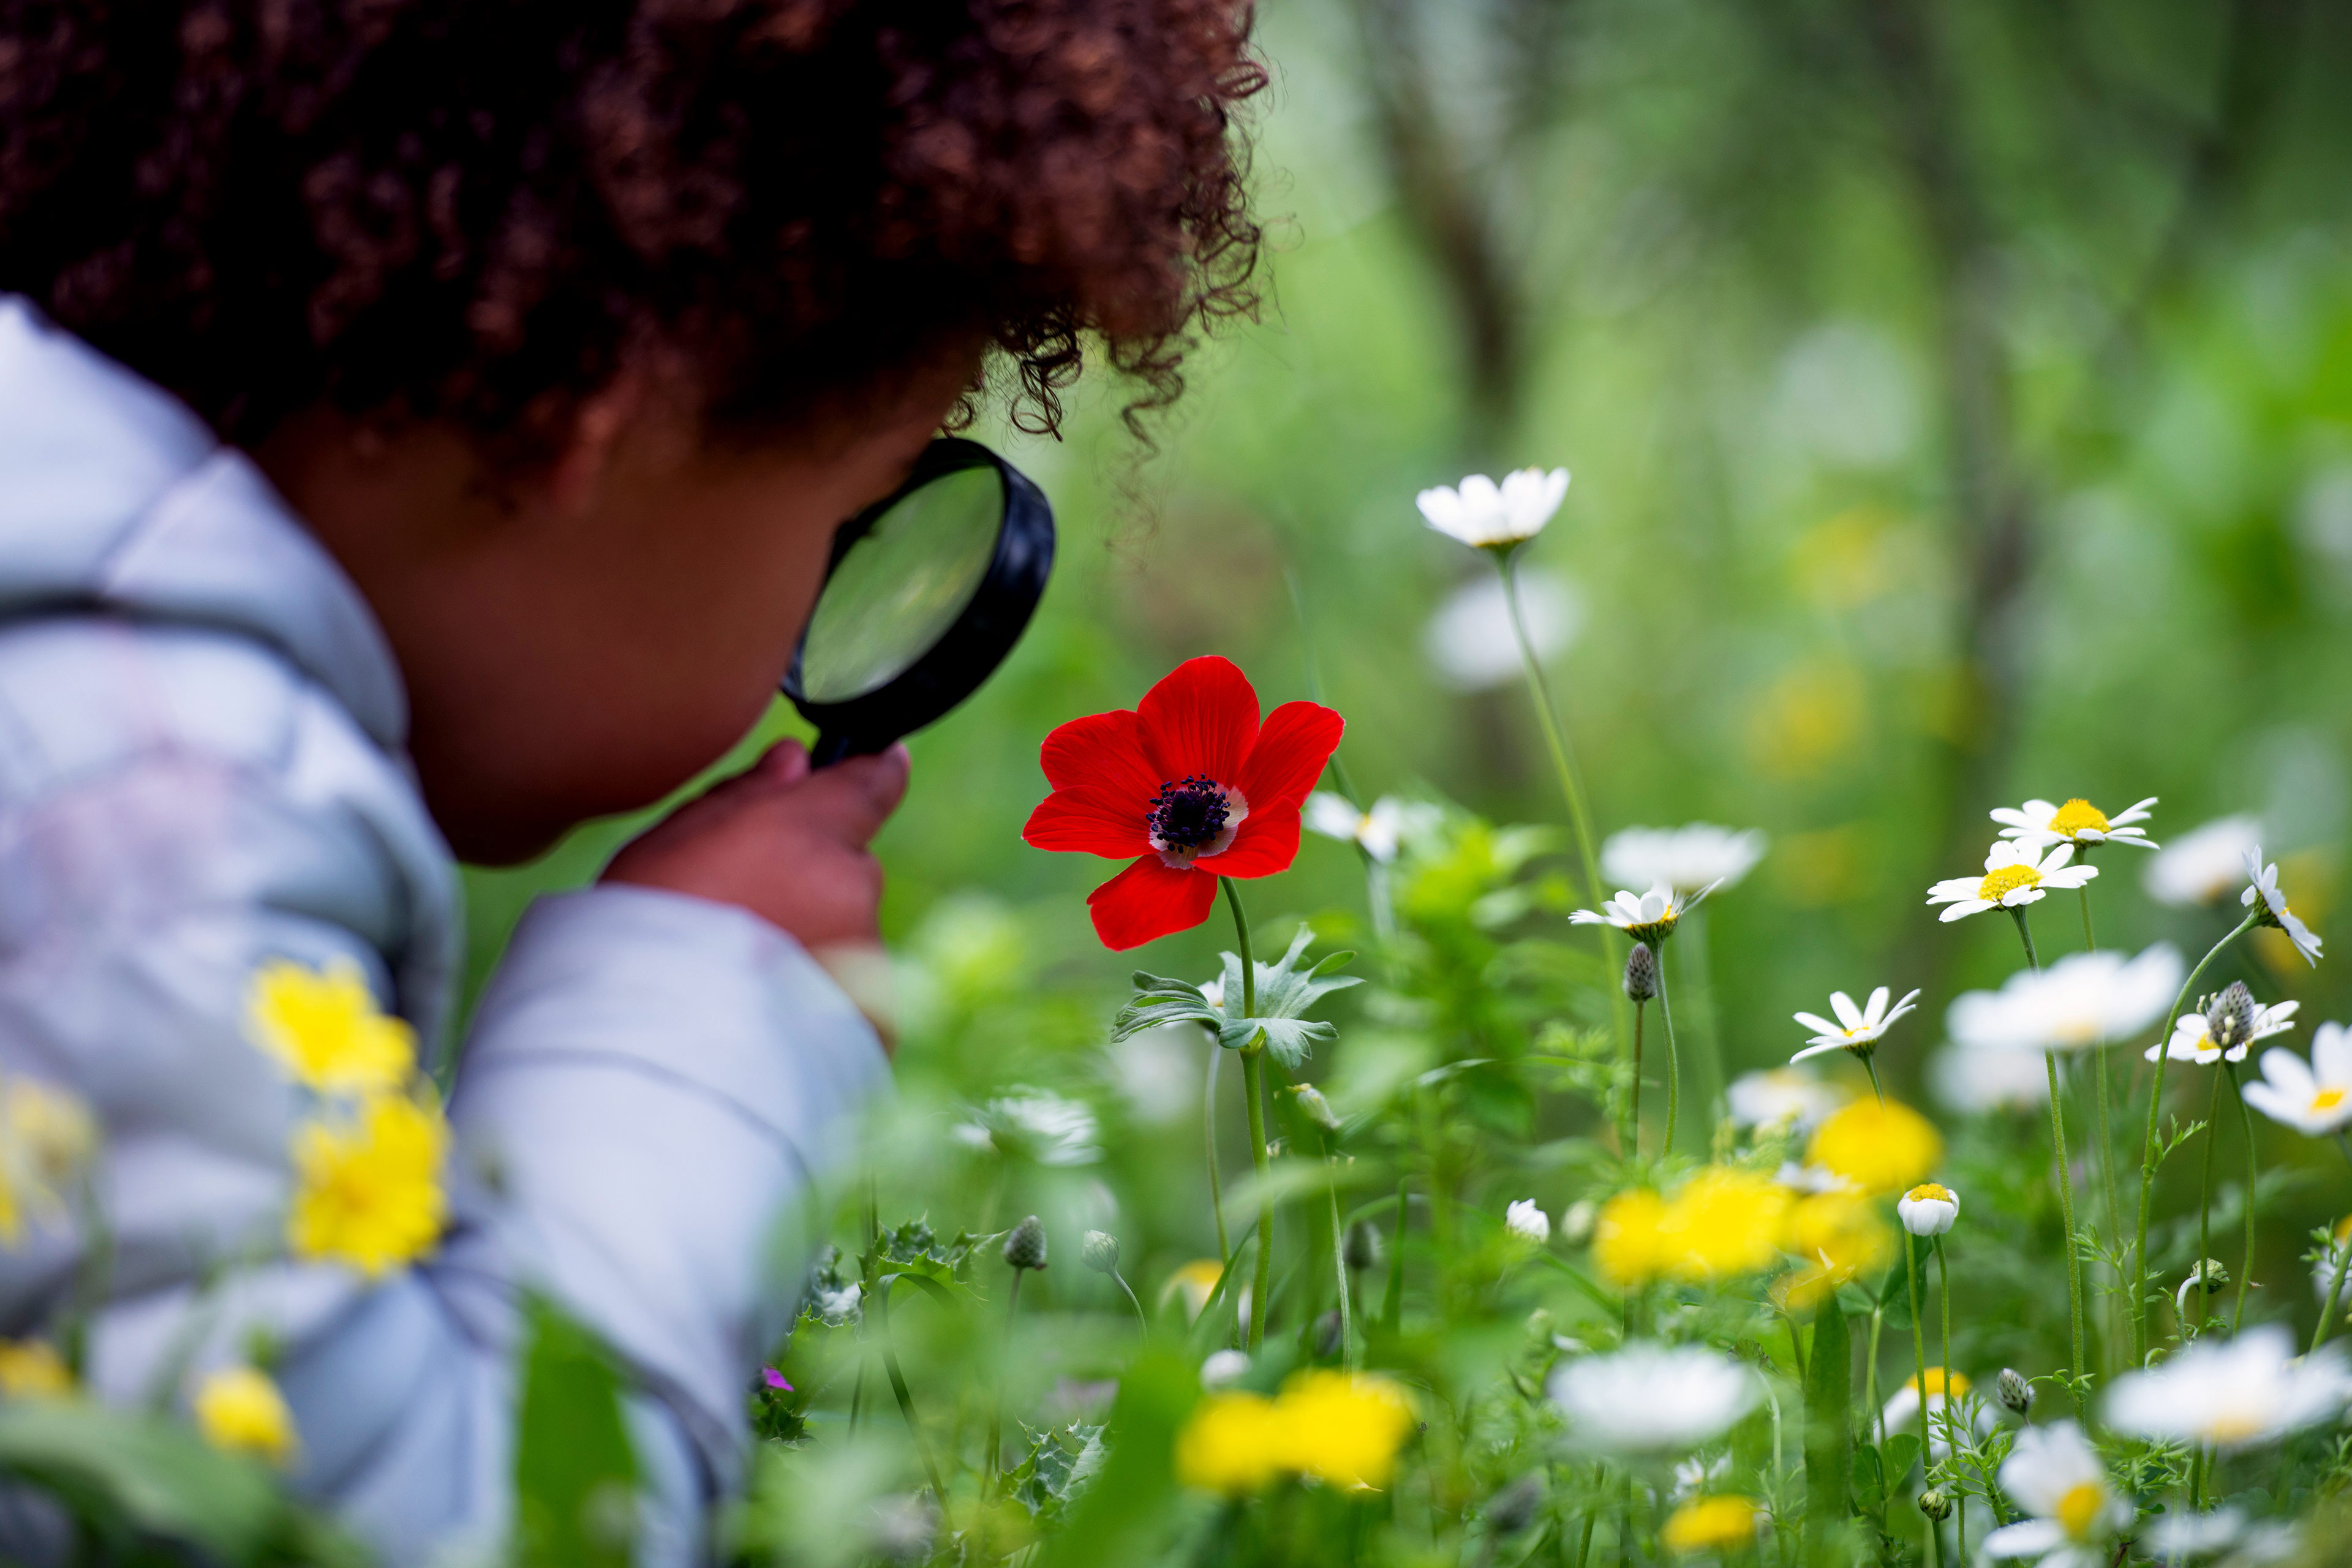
[{"x": 902, "y": 584}]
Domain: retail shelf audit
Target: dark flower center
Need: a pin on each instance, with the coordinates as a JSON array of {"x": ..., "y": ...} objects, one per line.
[{"x": 1189, "y": 812}]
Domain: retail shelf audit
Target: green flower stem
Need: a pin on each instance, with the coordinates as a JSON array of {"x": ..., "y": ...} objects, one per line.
[
  {"x": 2065, "y": 1176},
  {"x": 1540, "y": 690},
  {"x": 1912, "y": 1278},
  {"x": 1339, "y": 1265},
  {"x": 1632, "y": 1136},
  {"x": 2149, "y": 1146},
  {"x": 1254, "y": 1091},
  {"x": 2335, "y": 1288},
  {"x": 1141, "y": 1322},
  {"x": 907, "y": 1400},
  {"x": 1674, "y": 1064},
  {"x": 2245, "y": 1118},
  {"x": 2100, "y": 1074},
  {"x": 2205, "y": 1206},
  {"x": 1952, "y": 1428},
  {"x": 1209, "y": 1141},
  {"x": 1871, "y": 1068}
]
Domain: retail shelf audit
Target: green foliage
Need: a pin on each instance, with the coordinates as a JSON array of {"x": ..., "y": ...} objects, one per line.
[
  {"x": 1829, "y": 1436},
  {"x": 1285, "y": 993},
  {"x": 575, "y": 1473}
]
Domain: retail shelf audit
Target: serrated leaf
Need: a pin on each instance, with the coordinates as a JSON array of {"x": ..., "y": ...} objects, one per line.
[
  {"x": 1159, "y": 1001},
  {"x": 1057, "y": 1467}
]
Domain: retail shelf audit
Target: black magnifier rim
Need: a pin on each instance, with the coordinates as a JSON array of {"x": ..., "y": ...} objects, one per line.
[{"x": 969, "y": 650}]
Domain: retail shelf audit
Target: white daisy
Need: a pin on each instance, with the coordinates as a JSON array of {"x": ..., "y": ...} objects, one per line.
[
  {"x": 1035, "y": 1125},
  {"x": 1491, "y": 516},
  {"x": 2054, "y": 1474},
  {"x": 2015, "y": 874},
  {"x": 2076, "y": 822},
  {"x": 1811, "y": 1179},
  {"x": 1696, "y": 855},
  {"x": 1857, "y": 1029},
  {"x": 1527, "y": 1220},
  {"x": 2315, "y": 1100},
  {"x": 1782, "y": 1098},
  {"x": 1928, "y": 1209},
  {"x": 2232, "y": 1393},
  {"x": 1648, "y": 918},
  {"x": 2192, "y": 1035},
  {"x": 1469, "y": 639},
  {"x": 1380, "y": 831},
  {"x": 1648, "y": 1398},
  {"x": 2083, "y": 999},
  {"x": 2202, "y": 864},
  {"x": 2273, "y": 909},
  {"x": 2178, "y": 1537},
  {"x": 1974, "y": 1082}
]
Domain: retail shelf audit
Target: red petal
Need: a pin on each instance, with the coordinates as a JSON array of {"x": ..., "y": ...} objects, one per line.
[
  {"x": 1103, "y": 751},
  {"x": 1266, "y": 842},
  {"x": 1200, "y": 718},
  {"x": 1082, "y": 821},
  {"x": 1298, "y": 741},
  {"x": 1149, "y": 900}
]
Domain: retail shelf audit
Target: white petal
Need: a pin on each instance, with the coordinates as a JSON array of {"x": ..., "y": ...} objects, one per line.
[
  {"x": 1817, "y": 1024},
  {"x": 1848, "y": 1015},
  {"x": 2026, "y": 1538},
  {"x": 1874, "y": 1010}
]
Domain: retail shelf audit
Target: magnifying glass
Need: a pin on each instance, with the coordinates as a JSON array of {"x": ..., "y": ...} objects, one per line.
[{"x": 927, "y": 592}]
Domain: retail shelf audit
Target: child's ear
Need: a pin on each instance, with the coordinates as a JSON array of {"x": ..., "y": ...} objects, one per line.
[{"x": 580, "y": 470}]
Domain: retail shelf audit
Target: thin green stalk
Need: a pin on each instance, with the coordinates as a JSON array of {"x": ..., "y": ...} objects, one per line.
[
  {"x": 2205, "y": 1206},
  {"x": 1871, "y": 1068},
  {"x": 1911, "y": 1280},
  {"x": 996, "y": 1416},
  {"x": 2149, "y": 1147},
  {"x": 1554, "y": 737},
  {"x": 1951, "y": 1429},
  {"x": 1340, "y": 1268},
  {"x": 1209, "y": 1140},
  {"x": 1141, "y": 1322},
  {"x": 907, "y": 1400},
  {"x": 2246, "y": 1119},
  {"x": 1632, "y": 1134},
  {"x": 2065, "y": 1175},
  {"x": 1254, "y": 1089},
  {"x": 2336, "y": 1288},
  {"x": 1674, "y": 1064}
]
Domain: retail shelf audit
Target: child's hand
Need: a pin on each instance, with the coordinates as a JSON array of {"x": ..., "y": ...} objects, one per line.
[{"x": 787, "y": 844}]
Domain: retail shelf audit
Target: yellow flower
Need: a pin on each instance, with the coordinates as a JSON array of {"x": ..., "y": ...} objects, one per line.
[
  {"x": 1342, "y": 1427},
  {"x": 325, "y": 1029},
  {"x": 32, "y": 1369},
  {"x": 239, "y": 1409},
  {"x": 1938, "y": 1381},
  {"x": 46, "y": 1136},
  {"x": 1836, "y": 1236},
  {"x": 1196, "y": 1281},
  {"x": 1232, "y": 1444},
  {"x": 1712, "y": 1524},
  {"x": 1628, "y": 1240},
  {"x": 1878, "y": 1148},
  {"x": 1723, "y": 1223},
  {"x": 367, "y": 1192}
]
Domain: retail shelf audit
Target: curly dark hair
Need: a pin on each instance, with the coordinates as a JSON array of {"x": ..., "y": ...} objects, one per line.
[{"x": 481, "y": 211}]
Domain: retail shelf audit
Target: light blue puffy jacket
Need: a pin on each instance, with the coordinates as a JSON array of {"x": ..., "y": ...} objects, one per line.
[{"x": 201, "y": 767}]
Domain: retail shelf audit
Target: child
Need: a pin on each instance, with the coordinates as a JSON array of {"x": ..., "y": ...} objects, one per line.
[{"x": 422, "y": 426}]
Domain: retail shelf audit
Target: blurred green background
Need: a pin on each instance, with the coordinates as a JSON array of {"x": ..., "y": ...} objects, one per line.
[{"x": 1959, "y": 402}]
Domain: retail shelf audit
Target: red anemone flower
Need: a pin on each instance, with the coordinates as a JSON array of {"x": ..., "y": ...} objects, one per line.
[{"x": 1189, "y": 784}]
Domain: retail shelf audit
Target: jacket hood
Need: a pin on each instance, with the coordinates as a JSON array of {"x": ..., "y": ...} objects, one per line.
[{"x": 115, "y": 498}]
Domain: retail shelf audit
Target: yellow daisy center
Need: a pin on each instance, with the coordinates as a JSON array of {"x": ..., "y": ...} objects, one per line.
[
  {"x": 2233, "y": 1426},
  {"x": 2076, "y": 815},
  {"x": 1929, "y": 1191},
  {"x": 1940, "y": 1382},
  {"x": 2008, "y": 880},
  {"x": 2327, "y": 1100},
  {"x": 2081, "y": 1508}
]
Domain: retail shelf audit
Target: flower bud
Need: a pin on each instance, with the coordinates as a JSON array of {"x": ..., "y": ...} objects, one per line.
[
  {"x": 1527, "y": 1220},
  {"x": 1513, "y": 1508},
  {"x": 1935, "y": 1503},
  {"x": 2230, "y": 1017},
  {"x": 1024, "y": 1245},
  {"x": 1363, "y": 1245},
  {"x": 1576, "y": 1220},
  {"x": 1640, "y": 972},
  {"x": 1223, "y": 1368},
  {"x": 1098, "y": 1250},
  {"x": 1317, "y": 1108},
  {"x": 2014, "y": 1391}
]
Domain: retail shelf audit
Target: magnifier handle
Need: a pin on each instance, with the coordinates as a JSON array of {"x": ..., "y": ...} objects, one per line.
[{"x": 830, "y": 748}]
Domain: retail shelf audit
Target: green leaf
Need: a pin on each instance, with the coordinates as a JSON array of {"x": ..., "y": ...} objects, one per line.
[
  {"x": 138, "y": 1476},
  {"x": 1903, "y": 1455},
  {"x": 1869, "y": 1481},
  {"x": 575, "y": 1476},
  {"x": 1285, "y": 993},
  {"x": 1125, "y": 1510},
  {"x": 1159, "y": 1001},
  {"x": 1059, "y": 1464},
  {"x": 1828, "y": 1441}
]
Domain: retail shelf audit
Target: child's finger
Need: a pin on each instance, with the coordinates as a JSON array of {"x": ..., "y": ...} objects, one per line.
[
  {"x": 854, "y": 797},
  {"x": 785, "y": 762}
]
